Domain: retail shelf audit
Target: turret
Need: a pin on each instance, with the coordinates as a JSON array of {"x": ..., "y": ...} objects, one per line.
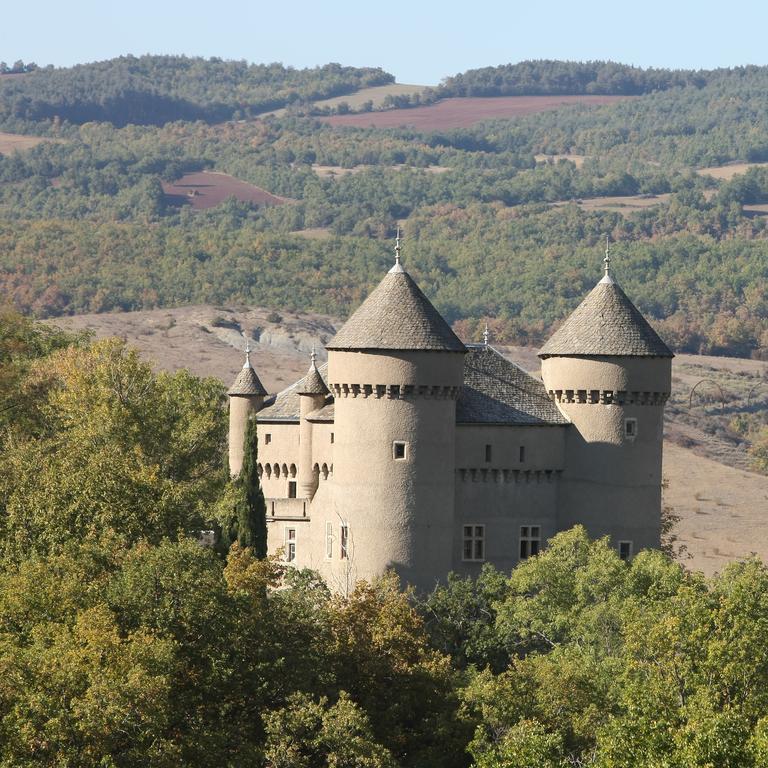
[
  {"x": 246, "y": 396},
  {"x": 312, "y": 394},
  {"x": 395, "y": 369},
  {"x": 610, "y": 375}
]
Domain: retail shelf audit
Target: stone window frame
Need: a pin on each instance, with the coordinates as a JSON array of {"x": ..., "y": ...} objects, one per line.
[
  {"x": 530, "y": 541},
  {"x": 292, "y": 489},
  {"x": 267, "y": 438},
  {"x": 396, "y": 445},
  {"x": 290, "y": 543},
  {"x": 626, "y": 549},
  {"x": 630, "y": 428},
  {"x": 328, "y": 540},
  {"x": 488, "y": 453},
  {"x": 473, "y": 543}
]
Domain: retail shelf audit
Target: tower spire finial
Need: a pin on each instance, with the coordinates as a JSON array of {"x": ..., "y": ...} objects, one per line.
[
  {"x": 313, "y": 356},
  {"x": 398, "y": 267},
  {"x": 247, "y": 363},
  {"x": 607, "y": 259},
  {"x": 486, "y": 335}
]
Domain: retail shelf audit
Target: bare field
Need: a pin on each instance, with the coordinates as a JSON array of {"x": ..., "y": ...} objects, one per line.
[
  {"x": 727, "y": 172},
  {"x": 376, "y": 94},
  {"x": 463, "y": 112},
  {"x": 723, "y": 510},
  {"x": 207, "y": 189},
  {"x": 333, "y": 171},
  {"x": 620, "y": 204},
  {"x": 17, "y": 142}
]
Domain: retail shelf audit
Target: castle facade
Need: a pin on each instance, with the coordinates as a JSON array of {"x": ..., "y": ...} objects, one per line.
[{"x": 413, "y": 451}]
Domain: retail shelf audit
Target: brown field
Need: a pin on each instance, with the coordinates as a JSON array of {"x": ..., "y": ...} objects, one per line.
[
  {"x": 723, "y": 510},
  {"x": 209, "y": 188},
  {"x": 16, "y": 142},
  {"x": 463, "y": 112},
  {"x": 727, "y": 172}
]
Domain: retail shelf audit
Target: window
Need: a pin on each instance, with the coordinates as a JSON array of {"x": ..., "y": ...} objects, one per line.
[
  {"x": 291, "y": 489},
  {"x": 344, "y": 551},
  {"x": 398, "y": 450},
  {"x": 328, "y": 541},
  {"x": 331, "y": 438},
  {"x": 474, "y": 543},
  {"x": 625, "y": 550},
  {"x": 530, "y": 541},
  {"x": 488, "y": 452},
  {"x": 630, "y": 429},
  {"x": 267, "y": 438},
  {"x": 522, "y": 454},
  {"x": 290, "y": 545}
]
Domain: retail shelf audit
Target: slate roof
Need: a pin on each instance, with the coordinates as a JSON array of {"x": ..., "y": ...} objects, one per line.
[
  {"x": 496, "y": 391},
  {"x": 396, "y": 315},
  {"x": 247, "y": 383},
  {"x": 312, "y": 383},
  {"x": 606, "y": 323},
  {"x": 326, "y": 413},
  {"x": 284, "y": 406}
]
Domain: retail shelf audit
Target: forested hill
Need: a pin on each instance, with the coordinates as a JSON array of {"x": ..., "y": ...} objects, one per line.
[
  {"x": 153, "y": 90},
  {"x": 544, "y": 77}
]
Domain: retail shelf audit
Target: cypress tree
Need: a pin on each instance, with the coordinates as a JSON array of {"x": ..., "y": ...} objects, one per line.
[
  {"x": 249, "y": 520},
  {"x": 251, "y": 509}
]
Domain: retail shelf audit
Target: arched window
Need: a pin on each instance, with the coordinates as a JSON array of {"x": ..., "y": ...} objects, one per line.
[
  {"x": 259, "y": 469},
  {"x": 325, "y": 471},
  {"x": 276, "y": 470},
  {"x": 268, "y": 470},
  {"x": 293, "y": 470},
  {"x": 285, "y": 470}
]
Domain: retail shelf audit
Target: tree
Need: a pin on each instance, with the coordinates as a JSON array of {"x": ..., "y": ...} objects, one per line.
[{"x": 244, "y": 507}]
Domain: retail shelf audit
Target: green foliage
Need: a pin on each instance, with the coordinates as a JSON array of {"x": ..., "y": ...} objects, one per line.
[
  {"x": 159, "y": 89},
  {"x": 549, "y": 77},
  {"x": 243, "y": 509},
  {"x": 306, "y": 734},
  {"x": 102, "y": 460}
]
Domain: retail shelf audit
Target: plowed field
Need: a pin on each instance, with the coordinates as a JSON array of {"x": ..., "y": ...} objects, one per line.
[
  {"x": 207, "y": 188},
  {"x": 461, "y": 113}
]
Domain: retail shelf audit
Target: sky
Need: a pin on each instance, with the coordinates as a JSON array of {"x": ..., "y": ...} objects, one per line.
[{"x": 420, "y": 42}]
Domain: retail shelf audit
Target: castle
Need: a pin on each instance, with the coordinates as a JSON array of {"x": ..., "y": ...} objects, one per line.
[{"x": 411, "y": 450}]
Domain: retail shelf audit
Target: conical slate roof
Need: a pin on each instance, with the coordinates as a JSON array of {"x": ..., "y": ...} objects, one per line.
[
  {"x": 247, "y": 382},
  {"x": 396, "y": 316},
  {"x": 606, "y": 323},
  {"x": 312, "y": 383}
]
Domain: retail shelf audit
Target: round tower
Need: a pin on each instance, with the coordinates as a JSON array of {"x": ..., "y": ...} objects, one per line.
[
  {"x": 610, "y": 375},
  {"x": 246, "y": 396},
  {"x": 312, "y": 394},
  {"x": 395, "y": 369}
]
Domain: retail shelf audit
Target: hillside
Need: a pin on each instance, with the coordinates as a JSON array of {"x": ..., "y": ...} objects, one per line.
[
  {"x": 503, "y": 220},
  {"x": 152, "y": 90}
]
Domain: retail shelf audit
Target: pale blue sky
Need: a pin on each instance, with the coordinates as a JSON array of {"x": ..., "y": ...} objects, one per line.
[{"x": 419, "y": 42}]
